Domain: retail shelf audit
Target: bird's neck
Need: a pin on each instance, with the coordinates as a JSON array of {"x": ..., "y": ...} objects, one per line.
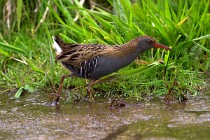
[
  {"x": 128, "y": 50},
  {"x": 125, "y": 54}
]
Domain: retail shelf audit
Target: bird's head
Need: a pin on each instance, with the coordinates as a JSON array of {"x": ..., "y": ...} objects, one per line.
[{"x": 147, "y": 42}]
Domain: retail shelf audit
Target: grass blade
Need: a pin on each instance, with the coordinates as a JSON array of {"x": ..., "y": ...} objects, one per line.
[
  {"x": 11, "y": 48},
  {"x": 19, "y": 13}
]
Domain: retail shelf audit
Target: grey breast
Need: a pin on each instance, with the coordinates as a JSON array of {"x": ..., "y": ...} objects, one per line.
[{"x": 107, "y": 65}]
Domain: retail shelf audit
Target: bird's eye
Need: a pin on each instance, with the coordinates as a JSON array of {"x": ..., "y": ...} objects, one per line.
[{"x": 150, "y": 41}]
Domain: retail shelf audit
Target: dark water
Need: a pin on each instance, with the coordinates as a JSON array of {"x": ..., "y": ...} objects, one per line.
[{"x": 29, "y": 118}]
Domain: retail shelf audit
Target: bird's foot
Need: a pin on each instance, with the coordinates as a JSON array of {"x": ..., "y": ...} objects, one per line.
[
  {"x": 55, "y": 102},
  {"x": 89, "y": 99},
  {"x": 116, "y": 103},
  {"x": 52, "y": 103},
  {"x": 168, "y": 98}
]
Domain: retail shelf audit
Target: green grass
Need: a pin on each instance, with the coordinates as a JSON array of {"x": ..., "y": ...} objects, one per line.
[{"x": 27, "y": 59}]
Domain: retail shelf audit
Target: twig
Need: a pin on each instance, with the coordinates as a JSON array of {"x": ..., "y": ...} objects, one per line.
[
  {"x": 43, "y": 17},
  {"x": 7, "y": 12},
  {"x": 77, "y": 13}
]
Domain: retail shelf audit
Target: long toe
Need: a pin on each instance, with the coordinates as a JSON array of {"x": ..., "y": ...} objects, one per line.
[
  {"x": 117, "y": 103},
  {"x": 91, "y": 99},
  {"x": 53, "y": 103}
]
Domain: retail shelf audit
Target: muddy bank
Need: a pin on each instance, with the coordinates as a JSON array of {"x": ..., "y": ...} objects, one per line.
[{"x": 29, "y": 118}]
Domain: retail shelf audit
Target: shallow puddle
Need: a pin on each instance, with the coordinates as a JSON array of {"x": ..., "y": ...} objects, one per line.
[{"x": 29, "y": 118}]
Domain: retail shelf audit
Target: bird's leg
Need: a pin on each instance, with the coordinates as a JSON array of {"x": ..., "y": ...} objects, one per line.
[
  {"x": 89, "y": 90},
  {"x": 53, "y": 87},
  {"x": 60, "y": 87}
]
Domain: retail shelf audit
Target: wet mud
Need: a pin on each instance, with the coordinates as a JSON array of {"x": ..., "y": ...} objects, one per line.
[{"x": 29, "y": 118}]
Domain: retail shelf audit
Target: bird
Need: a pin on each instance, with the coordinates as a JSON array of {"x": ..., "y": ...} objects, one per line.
[{"x": 93, "y": 61}]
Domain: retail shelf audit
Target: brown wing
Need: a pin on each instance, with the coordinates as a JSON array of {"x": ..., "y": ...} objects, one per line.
[{"x": 78, "y": 53}]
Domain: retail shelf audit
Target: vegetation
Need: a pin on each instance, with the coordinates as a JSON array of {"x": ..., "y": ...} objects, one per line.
[{"x": 27, "y": 59}]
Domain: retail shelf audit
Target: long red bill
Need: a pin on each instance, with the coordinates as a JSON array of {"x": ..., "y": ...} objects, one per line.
[{"x": 158, "y": 45}]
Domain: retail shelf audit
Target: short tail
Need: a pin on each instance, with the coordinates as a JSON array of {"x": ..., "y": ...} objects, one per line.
[{"x": 56, "y": 46}]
